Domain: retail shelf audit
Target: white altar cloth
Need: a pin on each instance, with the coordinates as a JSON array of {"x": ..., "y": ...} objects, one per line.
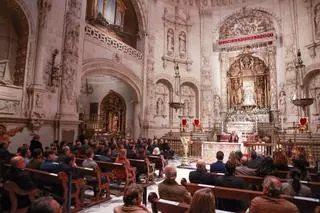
[{"x": 209, "y": 150}]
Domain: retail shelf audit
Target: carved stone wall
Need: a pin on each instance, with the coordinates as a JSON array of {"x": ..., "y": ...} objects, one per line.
[{"x": 70, "y": 57}]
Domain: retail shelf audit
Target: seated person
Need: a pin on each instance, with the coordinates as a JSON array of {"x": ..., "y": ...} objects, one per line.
[
  {"x": 131, "y": 154},
  {"x": 36, "y": 159},
  {"x": 218, "y": 166},
  {"x": 280, "y": 160},
  {"x": 4, "y": 153},
  {"x": 201, "y": 175},
  {"x": 293, "y": 187},
  {"x": 122, "y": 158},
  {"x": 26, "y": 154},
  {"x": 203, "y": 201},
  {"x": 229, "y": 180},
  {"x": 49, "y": 165},
  {"x": 271, "y": 200},
  {"x": 301, "y": 165},
  {"x": 65, "y": 152},
  {"x": 16, "y": 174},
  {"x": 243, "y": 168},
  {"x": 45, "y": 205},
  {"x": 169, "y": 189},
  {"x": 267, "y": 168},
  {"x": 132, "y": 201},
  {"x": 233, "y": 137},
  {"x": 254, "y": 161},
  {"x": 89, "y": 162}
]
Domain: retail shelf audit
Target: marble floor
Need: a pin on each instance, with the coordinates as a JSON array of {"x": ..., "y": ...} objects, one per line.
[{"x": 116, "y": 201}]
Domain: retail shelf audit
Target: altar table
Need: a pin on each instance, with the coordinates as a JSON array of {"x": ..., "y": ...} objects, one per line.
[{"x": 209, "y": 150}]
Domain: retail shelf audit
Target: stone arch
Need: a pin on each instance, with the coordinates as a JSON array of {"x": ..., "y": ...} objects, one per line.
[
  {"x": 165, "y": 82},
  {"x": 196, "y": 90},
  {"x": 115, "y": 113},
  {"x": 17, "y": 13},
  {"x": 108, "y": 67},
  {"x": 267, "y": 16},
  {"x": 140, "y": 9}
]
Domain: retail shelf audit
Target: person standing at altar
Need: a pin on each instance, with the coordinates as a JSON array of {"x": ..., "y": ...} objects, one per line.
[
  {"x": 233, "y": 137},
  {"x": 218, "y": 166}
]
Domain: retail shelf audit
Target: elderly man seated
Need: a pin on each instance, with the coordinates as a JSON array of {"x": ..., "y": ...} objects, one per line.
[
  {"x": 271, "y": 201},
  {"x": 17, "y": 175},
  {"x": 169, "y": 189},
  {"x": 201, "y": 175},
  {"x": 243, "y": 168}
]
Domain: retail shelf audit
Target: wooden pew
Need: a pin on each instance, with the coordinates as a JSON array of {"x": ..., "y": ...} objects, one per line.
[
  {"x": 255, "y": 180},
  {"x": 159, "y": 163},
  {"x": 100, "y": 184},
  {"x": 46, "y": 180},
  {"x": 166, "y": 206},
  {"x": 314, "y": 176},
  {"x": 118, "y": 171},
  {"x": 305, "y": 205},
  {"x": 13, "y": 190},
  {"x": 144, "y": 168}
]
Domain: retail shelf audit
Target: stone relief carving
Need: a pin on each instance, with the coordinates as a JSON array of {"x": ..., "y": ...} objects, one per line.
[
  {"x": 36, "y": 121},
  {"x": 71, "y": 49},
  {"x": 317, "y": 20},
  {"x": 175, "y": 46},
  {"x": 182, "y": 45},
  {"x": 245, "y": 22},
  {"x": 9, "y": 106},
  {"x": 94, "y": 33},
  {"x": 44, "y": 7},
  {"x": 188, "y": 97},
  {"x": 170, "y": 42},
  {"x": 216, "y": 106},
  {"x": 162, "y": 100}
]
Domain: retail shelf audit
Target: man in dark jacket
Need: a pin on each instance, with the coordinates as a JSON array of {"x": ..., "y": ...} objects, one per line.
[
  {"x": 218, "y": 166},
  {"x": 229, "y": 180},
  {"x": 16, "y": 174},
  {"x": 201, "y": 175},
  {"x": 35, "y": 143},
  {"x": 254, "y": 162}
]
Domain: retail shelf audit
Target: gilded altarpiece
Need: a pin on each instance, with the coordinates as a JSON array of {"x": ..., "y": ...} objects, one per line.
[
  {"x": 248, "y": 83},
  {"x": 113, "y": 112}
]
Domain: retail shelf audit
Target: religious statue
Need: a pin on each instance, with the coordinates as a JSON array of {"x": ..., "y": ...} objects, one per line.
[
  {"x": 5, "y": 135},
  {"x": 160, "y": 107},
  {"x": 216, "y": 106},
  {"x": 186, "y": 140},
  {"x": 236, "y": 87},
  {"x": 182, "y": 44},
  {"x": 282, "y": 103},
  {"x": 114, "y": 124},
  {"x": 170, "y": 42}
]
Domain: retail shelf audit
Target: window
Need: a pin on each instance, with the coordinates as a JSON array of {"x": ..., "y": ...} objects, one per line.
[{"x": 112, "y": 11}]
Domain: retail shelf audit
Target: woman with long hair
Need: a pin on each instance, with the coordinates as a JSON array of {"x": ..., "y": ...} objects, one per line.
[
  {"x": 203, "y": 201},
  {"x": 267, "y": 168},
  {"x": 293, "y": 187}
]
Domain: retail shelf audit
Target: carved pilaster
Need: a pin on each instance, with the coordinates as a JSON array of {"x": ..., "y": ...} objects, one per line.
[{"x": 70, "y": 59}]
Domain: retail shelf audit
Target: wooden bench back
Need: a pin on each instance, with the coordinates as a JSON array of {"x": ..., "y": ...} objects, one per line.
[
  {"x": 255, "y": 180},
  {"x": 305, "y": 205}
]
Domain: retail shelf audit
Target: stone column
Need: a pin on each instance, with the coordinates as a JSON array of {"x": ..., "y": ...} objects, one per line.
[
  {"x": 36, "y": 112},
  {"x": 71, "y": 67}
]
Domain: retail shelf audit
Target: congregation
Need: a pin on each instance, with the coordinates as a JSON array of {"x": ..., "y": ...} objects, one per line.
[{"x": 63, "y": 157}]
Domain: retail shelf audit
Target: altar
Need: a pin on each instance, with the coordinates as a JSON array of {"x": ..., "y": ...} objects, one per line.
[{"x": 209, "y": 150}]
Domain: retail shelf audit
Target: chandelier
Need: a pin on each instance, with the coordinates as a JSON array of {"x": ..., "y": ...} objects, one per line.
[
  {"x": 300, "y": 99},
  {"x": 177, "y": 90}
]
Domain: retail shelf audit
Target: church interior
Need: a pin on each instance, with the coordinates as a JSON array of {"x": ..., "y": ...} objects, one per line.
[{"x": 175, "y": 80}]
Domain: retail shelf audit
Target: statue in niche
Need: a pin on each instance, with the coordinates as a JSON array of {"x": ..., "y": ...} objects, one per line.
[
  {"x": 170, "y": 42},
  {"x": 236, "y": 87},
  {"x": 182, "y": 44},
  {"x": 259, "y": 97},
  {"x": 317, "y": 20},
  {"x": 216, "y": 105},
  {"x": 318, "y": 102},
  {"x": 282, "y": 103},
  {"x": 114, "y": 123},
  {"x": 186, "y": 108},
  {"x": 160, "y": 107}
]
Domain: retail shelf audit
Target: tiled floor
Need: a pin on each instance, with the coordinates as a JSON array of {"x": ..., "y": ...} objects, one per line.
[{"x": 116, "y": 201}]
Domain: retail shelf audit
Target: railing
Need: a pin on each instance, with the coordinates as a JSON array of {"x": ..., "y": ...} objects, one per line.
[
  {"x": 194, "y": 148},
  {"x": 96, "y": 34}
]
